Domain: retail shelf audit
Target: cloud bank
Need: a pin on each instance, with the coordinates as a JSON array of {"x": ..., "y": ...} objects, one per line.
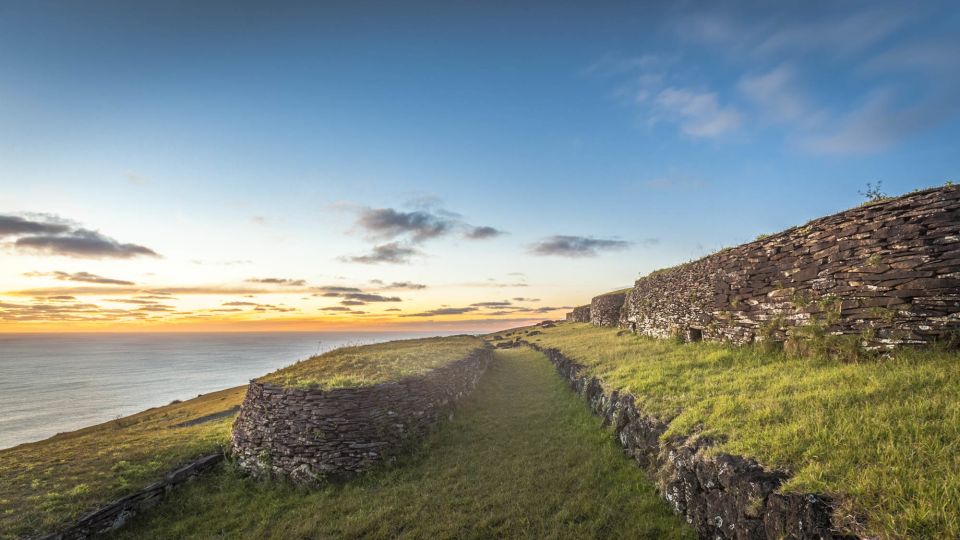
[
  {"x": 52, "y": 236},
  {"x": 576, "y": 246}
]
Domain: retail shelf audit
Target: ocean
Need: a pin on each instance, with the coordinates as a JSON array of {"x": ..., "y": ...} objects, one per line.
[{"x": 51, "y": 383}]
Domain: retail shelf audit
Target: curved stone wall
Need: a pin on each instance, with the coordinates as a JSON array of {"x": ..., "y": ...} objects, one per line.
[
  {"x": 310, "y": 436},
  {"x": 605, "y": 309},
  {"x": 887, "y": 271}
]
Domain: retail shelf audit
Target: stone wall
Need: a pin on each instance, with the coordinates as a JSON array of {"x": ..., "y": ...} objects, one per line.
[
  {"x": 579, "y": 314},
  {"x": 887, "y": 272},
  {"x": 117, "y": 513},
  {"x": 310, "y": 436},
  {"x": 605, "y": 309},
  {"x": 722, "y": 496}
]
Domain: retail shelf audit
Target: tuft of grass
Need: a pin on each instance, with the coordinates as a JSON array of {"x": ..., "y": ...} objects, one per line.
[
  {"x": 367, "y": 365},
  {"x": 523, "y": 458},
  {"x": 52, "y": 482},
  {"x": 882, "y": 436}
]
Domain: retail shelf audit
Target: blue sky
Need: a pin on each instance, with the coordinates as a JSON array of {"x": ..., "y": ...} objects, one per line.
[{"x": 242, "y": 140}]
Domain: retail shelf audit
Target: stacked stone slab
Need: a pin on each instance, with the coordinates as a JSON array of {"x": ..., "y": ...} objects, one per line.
[
  {"x": 579, "y": 314},
  {"x": 605, "y": 309},
  {"x": 887, "y": 271},
  {"x": 722, "y": 496},
  {"x": 116, "y": 514},
  {"x": 314, "y": 435}
]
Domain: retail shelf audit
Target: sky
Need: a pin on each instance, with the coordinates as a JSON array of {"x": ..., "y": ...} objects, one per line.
[{"x": 231, "y": 166}]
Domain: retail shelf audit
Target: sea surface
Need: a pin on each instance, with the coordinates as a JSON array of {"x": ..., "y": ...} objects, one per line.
[{"x": 50, "y": 383}]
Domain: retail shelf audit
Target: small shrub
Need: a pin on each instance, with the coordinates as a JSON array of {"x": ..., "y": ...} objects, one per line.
[{"x": 874, "y": 193}]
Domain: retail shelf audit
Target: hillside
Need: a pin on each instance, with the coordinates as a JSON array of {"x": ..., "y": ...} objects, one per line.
[
  {"x": 52, "y": 482},
  {"x": 521, "y": 458},
  {"x": 879, "y": 436}
]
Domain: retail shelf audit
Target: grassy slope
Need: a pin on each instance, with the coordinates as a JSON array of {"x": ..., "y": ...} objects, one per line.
[
  {"x": 884, "y": 435},
  {"x": 47, "y": 483},
  {"x": 55, "y": 481},
  {"x": 522, "y": 458},
  {"x": 372, "y": 364}
]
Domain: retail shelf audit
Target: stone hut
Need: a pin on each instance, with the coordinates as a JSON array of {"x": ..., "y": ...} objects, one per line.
[
  {"x": 888, "y": 272},
  {"x": 605, "y": 309}
]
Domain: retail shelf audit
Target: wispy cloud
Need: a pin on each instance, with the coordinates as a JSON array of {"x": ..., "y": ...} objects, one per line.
[
  {"x": 16, "y": 226},
  {"x": 334, "y": 290},
  {"x": 417, "y": 226},
  {"x": 830, "y": 80},
  {"x": 370, "y": 297},
  {"x": 278, "y": 281},
  {"x": 777, "y": 95},
  {"x": 576, "y": 246},
  {"x": 699, "y": 114},
  {"x": 82, "y": 277},
  {"x": 781, "y": 30},
  {"x": 157, "y": 292},
  {"x": 389, "y": 253},
  {"x": 388, "y": 224},
  {"x": 482, "y": 233},
  {"x": 877, "y": 124},
  {"x": 441, "y": 312},
  {"x": 503, "y": 303},
  {"x": 54, "y": 236},
  {"x": 401, "y": 285},
  {"x": 82, "y": 243}
]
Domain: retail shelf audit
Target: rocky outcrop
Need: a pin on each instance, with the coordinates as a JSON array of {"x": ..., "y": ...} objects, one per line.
[
  {"x": 314, "y": 435},
  {"x": 579, "y": 314},
  {"x": 720, "y": 495},
  {"x": 887, "y": 273},
  {"x": 605, "y": 309},
  {"x": 117, "y": 513}
]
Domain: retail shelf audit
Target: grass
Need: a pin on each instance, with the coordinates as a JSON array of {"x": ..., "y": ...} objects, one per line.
[
  {"x": 882, "y": 436},
  {"x": 522, "y": 458},
  {"x": 55, "y": 481},
  {"x": 373, "y": 364},
  {"x": 52, "y": 482}
]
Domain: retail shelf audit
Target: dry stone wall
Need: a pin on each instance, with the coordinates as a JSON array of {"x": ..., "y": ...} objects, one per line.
[
  {"x": 888, "y": 272},
  {"x": 722, "y": 496},
  {"x": 605, "y": 309},
  {"x": 312, "y": 435},
  {"x": 116, "y": 514},
  {"x": 579, "y": 314}
]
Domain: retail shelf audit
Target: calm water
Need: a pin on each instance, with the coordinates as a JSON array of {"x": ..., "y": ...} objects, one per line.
[{"x": 54, "y": 383}]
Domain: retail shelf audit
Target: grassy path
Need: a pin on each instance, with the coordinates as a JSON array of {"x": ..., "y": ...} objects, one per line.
[{"x": 523, "y": 458}]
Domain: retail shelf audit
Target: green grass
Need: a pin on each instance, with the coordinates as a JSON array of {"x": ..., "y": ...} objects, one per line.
[
  {"x": 883, "y": 435},
  {"x": 51, "y": 482},
  {"x": 522, "y": 458},
  {"x": 373, "y": 364}
]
